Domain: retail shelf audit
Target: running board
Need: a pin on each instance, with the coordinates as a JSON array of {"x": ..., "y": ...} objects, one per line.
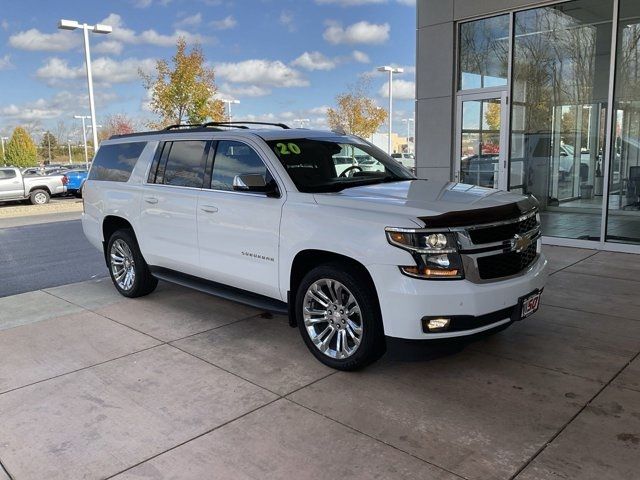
[{"x": 219, "y": 290}]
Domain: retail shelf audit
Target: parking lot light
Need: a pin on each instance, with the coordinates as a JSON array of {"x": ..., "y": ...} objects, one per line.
[
  {"x": 98, "y": 28},
  {"x": 391, "y": 70},
  {"x": 229, "y": 102}
]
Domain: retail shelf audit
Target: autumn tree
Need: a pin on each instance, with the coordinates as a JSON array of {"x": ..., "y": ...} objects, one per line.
[
  {"x": 118, "y": 124},
  {"x": 21, "y": 150},
  {"x": 48, "y": 145},
  {"x": 356, "y": 112},
  {"x": 183, "y": 91}
]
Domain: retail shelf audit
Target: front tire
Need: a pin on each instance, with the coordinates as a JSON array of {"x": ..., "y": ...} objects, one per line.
[
  {"x": 129, "y": 272},
  {"x": 339, "y": 317},
  {"x": 39, "y": 197}
]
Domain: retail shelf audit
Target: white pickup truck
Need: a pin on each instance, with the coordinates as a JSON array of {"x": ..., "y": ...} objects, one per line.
[
  {"x": 38, "y": 189},
  {"x": 271, "y": 218}
]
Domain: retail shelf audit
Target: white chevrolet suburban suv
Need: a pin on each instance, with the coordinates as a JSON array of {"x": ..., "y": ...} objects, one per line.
[{"x": 355, "y": 258}]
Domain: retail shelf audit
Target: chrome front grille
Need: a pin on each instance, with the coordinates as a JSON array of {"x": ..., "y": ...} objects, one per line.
[{"x": 496, "y": 251}]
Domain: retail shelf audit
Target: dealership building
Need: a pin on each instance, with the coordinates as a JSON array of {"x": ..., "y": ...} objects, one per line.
[{"x": 541, "y": 98}]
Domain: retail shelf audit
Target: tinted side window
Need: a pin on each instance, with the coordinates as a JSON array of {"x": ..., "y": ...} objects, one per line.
[
  {"x": 235, "y": 158},
  {"x": 6, "y": 174},
  {"x": 184, "y": 165},
  {"x": 115, "y": 162}
]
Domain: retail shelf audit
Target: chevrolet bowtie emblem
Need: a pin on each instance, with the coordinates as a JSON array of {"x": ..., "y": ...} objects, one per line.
[{"x": 519, "y": 243}]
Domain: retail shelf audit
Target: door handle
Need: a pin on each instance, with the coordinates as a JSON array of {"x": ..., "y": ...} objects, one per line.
[
  {"x": 151, "y": 200},
  {"x": 209, "y": 208}
]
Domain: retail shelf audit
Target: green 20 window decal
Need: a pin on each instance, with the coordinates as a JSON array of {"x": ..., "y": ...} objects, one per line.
[{"x": 288, "y": 148}]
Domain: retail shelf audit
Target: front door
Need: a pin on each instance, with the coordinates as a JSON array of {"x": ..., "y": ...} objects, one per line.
[
  {"x": 238, "y": 232},
  {"x": 481, "y": 153},
  {"x": 10, "y": 184}
]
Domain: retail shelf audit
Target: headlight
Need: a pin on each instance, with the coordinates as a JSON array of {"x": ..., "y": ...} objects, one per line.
[{"x": 435, "y": 253}]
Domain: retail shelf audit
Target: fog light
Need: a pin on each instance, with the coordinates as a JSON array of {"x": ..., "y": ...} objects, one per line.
[{"x": 437, "y": 324}]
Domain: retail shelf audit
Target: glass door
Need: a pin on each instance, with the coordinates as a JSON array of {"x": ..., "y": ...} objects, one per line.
[{"x": 481, "y": 136}]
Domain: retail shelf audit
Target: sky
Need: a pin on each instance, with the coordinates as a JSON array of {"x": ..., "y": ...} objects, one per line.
[{"x": 282, "y": 59}]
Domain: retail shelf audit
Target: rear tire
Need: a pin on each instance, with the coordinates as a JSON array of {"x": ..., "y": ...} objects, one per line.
[
  {"x": 129, "y": 272},
  {"x": 339, "y": 318},
  {"x": 39, "y": 197}
]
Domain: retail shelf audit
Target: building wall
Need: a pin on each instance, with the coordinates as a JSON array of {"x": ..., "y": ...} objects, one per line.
[{"x": 435, "y": 77}]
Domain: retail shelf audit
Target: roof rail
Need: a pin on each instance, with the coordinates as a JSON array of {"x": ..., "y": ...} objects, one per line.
[
  {"x": 237, "y": 124},
  {"x": 182, "y": 125},
  {"x": 223, "y": 124}
]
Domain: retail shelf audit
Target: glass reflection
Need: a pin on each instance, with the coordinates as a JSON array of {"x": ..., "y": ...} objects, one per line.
[
  {"x": 480, "y": 142},
  {"x": 484, "y": 53},
  {"x": 623, "y": 224},
  {"x": 560, "y": 80}
]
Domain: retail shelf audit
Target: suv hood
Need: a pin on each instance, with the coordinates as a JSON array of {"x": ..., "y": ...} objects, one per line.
[{"x": 436, "y": 204}]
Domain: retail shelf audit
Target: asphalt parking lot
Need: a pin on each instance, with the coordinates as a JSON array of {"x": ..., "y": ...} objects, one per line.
[{"x": 180, "y": 385}]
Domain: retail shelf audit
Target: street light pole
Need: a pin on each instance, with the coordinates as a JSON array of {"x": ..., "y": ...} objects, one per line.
[
  {"x": 98, "y": 28},
  {"x": 69, "y": 145},
  {"x": 49, "y": 144},
  {"x": 84, "y": 138},
  {"x": 391, "y": 70},
  {"x": 229, "y": 102},
  {"x": 2, "y": 139},
  {"x": 301, "y": 121}
]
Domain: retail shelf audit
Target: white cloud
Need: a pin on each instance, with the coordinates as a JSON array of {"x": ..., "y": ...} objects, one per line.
[
  {"x": 360, "y": 57},
  {"x": 314, "y": 61},
  {"x": 349, "y": 3},
  {"x": 109, "y": 47},
  {"x": 224, "y": 24},
  {"x": 105, "y": 70},
  {"x": 35, "y": 40},
  {"x": 148, "y": 3},
  {"x": 288, "y": 20},
  {"x": 360, "y": 32},
  {"x": 154, "y": 38},
  {"x": 4, "y": 24},
  {"x": 126, "y": 35},
  {"x": 5, "y": 62},
  {"x": 272, "y": 73},
  {"x": 190, "y": 21},
  {"x": 61, "y": 104},
  {"x": 408, "y": 3},
  {"x": 233, "y": 91},
  {"x": 402, "y": 90}
]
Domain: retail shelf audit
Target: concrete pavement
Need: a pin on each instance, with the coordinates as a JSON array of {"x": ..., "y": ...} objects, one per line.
[{"x": 180, "y": 385}]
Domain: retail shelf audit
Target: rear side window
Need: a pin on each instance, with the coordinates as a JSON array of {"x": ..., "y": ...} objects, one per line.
[
  {"x": 182, "y": 164},
  {"x": 115, "y": 162},
  {"x": 235, "y": 158},
  {"x": 6, "y": 174}
]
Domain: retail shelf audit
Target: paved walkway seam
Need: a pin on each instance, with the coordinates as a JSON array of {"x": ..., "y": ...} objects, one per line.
[
  {"x": 377, "y": 439},
  {"x": 563, "y": 428}
]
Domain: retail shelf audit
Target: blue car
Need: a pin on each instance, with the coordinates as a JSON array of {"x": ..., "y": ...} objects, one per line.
[{"x": 74, "y": 180}]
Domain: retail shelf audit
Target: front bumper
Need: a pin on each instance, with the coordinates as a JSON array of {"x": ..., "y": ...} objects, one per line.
[{"x": 404, "y": 301}]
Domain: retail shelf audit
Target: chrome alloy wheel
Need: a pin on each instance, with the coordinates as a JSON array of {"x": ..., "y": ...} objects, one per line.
[
  {"x": 122, "y": 264},
  {"x": 40, "y": 198},
  {"x": 332, "y": 318}
]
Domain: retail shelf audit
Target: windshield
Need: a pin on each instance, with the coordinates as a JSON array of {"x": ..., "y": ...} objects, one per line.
[{"x": 335, "y": 163}]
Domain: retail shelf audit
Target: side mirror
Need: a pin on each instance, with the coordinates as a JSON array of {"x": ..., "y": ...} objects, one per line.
[{"x": 254, "y": 182}]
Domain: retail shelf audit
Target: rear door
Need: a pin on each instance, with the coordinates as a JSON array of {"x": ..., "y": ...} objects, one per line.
[
  {"x": 238, "y": 232},
  {"x": 168, "y": 231},
  {"x": 10, "y": 184}
]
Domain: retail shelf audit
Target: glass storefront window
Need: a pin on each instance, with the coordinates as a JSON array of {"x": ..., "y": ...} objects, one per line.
[
  {"x": 484, "y": 53},
  {"x": 559, "y": 103},
  {"x": 623, "y": 224}
]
